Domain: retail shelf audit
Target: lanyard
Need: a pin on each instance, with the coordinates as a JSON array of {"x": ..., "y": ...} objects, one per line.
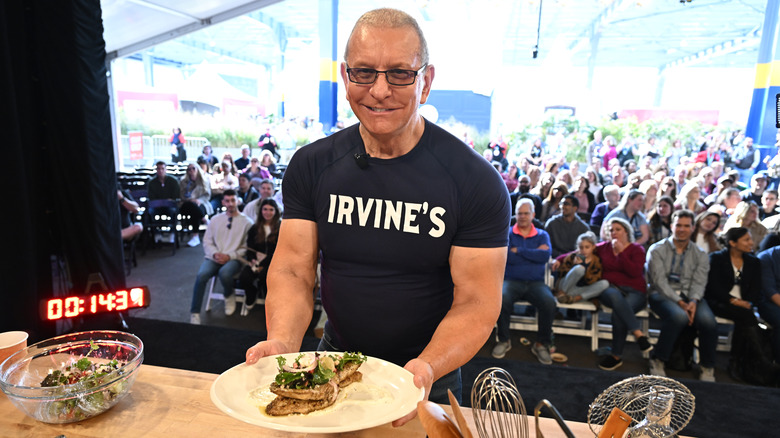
[{"x": 682, "y": 259}]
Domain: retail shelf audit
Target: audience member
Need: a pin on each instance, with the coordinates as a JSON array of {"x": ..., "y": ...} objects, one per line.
[
  {"x": 195, "y": 193},
  {"x": 543, "y": 187},
  {"x": 268, "y": 162},
  {"x": 224, "y": 236},
  {"x": 267, "y": 142},
  {"x": 769, "y": 306},
  {"x": 523, "y": 191},
  {"x": 705, "y": 231},
  {"x": 609, "y": 152},
  {"x": 266, "y": 190},
  {"x": 127, "y": 207},
  {"x": 225, "y": 180},
  {"x": 758, "y": 184},
  {"x": 579, "y": 272},
  {"x": 630, "y": 210},
  {"x": 566, "y": 227},
  {"x": 746, "y": 216},
  {"x": 163, "y": 194},
  {"x": 733, "y": 288},
  {"x": 594, "y": 183},
  {"x": 594, "y": 147},
  {"x": 689, "y": 198},
  {"x": 768, "y": 206},
  {"x": 246, "y": 193},
  {"x": 255, "y": 171},
  {"x": 677, "y": 273},
  {"x": 660, "y": 221},
  {"x": 261, "y": 243},
  {"x": 210, "y": 159},
  {"x": 623, "y": 263},
  {"x": 529, "y": 251},
  {"x": 746, "y": 158},
  {"x": 649, "y": 188},
  {"x": 243, "y": 162},
  {"x": 612, "y": 196},
  {"x": 551, "y": 204},
  {"x": 668, "y": 187},
  {"x": 511, "y": 178},
  {"x": 581, "y": 191}
]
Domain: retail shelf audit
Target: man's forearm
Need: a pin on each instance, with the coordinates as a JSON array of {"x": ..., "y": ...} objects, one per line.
[
  {"x": 289, "y": 306},
  {"x": 452, "y": 345}
]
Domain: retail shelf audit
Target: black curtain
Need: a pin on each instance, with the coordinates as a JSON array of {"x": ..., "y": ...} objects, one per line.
[{"x": 59, "y": 182}]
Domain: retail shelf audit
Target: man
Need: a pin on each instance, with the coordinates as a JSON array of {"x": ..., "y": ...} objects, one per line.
[
  {"x": 566, "y": 227},
  {"x": 612, "y": 196},
  {"x": 757, "y": 186},
  {"x": 243, "y": 162},
  {"x": 529, "y": 251},
  {"x": 594, "y": 147},
  {"x": 225, "y": 234},
  {"x": 246, "y": 193},
  {"x": 768, "y": 205},
  {"x": 747, "y": 158},
  {"x": 769, "y": 307},
  {"x": 677, "y": 272},
  {"x": 266, "y": 190},
  {"x": 163, "y": 191},
  {"x": 524, "y": 191},
  {"x": 409, "y": 221}
]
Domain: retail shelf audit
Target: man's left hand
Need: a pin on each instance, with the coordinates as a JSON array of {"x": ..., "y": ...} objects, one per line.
[
  {"x": 690, "y": 309},
  {"x": 221, "y": 258},
  {"x": 423, "y": 378}
]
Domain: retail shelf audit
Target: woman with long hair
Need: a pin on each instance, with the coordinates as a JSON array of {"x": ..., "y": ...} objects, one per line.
[
  {"x": 511, "y": 177},
  {"x": 261, "y": 242},
  {"x": 595, "y": 185},
  {"x": 550, "y": 205},
  {"x": 623, "y": 266},
  {"x": 267, "y": 160},
  {"x": 660, "y": 221},
  {"x": 733, "y": 288},
  {"x": 581, "y": 191},
  {"x": 705, "y": 231},
  {"x": 689, "y": 198},
  {"x": 630, "y": 210},
  {"x": 195, "y": 194},
  {"x": 668, "y": 188},
  {"x": 650, "y": 189},
  {"x": 746, "y": 216},
  {"x": 543, "y": 186}
]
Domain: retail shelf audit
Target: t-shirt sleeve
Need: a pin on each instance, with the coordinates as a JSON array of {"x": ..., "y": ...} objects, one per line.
[
  {"x": 297, "y": 187},
  {"x": 485, "y": 213}
]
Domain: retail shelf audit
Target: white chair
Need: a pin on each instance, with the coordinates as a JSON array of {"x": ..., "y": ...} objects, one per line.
[{"x": 239, "y": 293}]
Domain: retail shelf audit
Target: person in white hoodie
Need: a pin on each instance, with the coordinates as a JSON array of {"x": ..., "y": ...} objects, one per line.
[{"x": 225, "y": 234}]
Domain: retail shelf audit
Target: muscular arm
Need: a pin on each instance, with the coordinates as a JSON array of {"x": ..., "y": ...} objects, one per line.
[
  {"x": 289, "y": 303},
  {"x": 477, "y": 274}
]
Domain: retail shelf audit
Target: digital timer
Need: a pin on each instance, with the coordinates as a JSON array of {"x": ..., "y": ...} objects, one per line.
[{"x": 79, "y": 305}]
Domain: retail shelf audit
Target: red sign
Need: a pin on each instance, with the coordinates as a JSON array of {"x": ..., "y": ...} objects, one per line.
[{"x": 136, "y": 140}]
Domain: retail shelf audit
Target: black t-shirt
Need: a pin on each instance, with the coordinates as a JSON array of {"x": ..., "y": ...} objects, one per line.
[{"x": 385, "y": 231}]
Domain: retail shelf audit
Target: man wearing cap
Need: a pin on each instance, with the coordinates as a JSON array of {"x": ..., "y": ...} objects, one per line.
[{"x": 756, "y": 189}]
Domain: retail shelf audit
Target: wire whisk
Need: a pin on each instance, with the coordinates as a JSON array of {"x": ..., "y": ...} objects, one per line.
[{"x": 497, "y": 406}]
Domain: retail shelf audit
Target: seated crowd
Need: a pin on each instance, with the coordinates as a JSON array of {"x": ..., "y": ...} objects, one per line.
[
  {"x": 239, "y": 208},
  {"x": 692, "y": 235}
]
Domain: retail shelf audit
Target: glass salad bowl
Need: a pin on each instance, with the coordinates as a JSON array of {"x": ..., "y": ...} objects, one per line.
[{"x": 72, "y": 377}]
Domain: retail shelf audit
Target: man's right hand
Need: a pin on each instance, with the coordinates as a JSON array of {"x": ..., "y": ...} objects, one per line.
[
  {"x": 265, "y": 348},
  {"x": 543, "y": 247}
]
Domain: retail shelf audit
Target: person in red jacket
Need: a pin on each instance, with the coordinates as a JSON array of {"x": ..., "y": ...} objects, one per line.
[
  {"x": 178, "y": 153},
  {"x": 623, "y": 265}
]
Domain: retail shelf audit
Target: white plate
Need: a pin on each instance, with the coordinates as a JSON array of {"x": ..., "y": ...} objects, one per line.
[{"x": 386, "y": 393}]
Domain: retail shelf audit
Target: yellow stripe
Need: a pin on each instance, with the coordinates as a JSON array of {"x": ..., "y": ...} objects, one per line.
[
  {"x": 329, "y": 70},
  {"x": 767, "y": 75}
]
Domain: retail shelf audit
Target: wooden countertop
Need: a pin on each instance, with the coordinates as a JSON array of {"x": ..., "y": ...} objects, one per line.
[{"x": 166, "y": 402}]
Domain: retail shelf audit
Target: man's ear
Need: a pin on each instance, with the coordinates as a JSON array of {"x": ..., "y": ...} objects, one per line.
[{"x": 430, "y": 72}]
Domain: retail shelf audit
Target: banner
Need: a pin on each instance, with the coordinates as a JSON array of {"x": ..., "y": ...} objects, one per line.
[{"x": 136, "y": 140}]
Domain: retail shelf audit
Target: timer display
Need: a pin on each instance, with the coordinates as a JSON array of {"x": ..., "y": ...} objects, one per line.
[{"x": 80, "y": 305}]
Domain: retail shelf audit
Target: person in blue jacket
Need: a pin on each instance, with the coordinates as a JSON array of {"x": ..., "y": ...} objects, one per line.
[{"x": 528, "y": 253}]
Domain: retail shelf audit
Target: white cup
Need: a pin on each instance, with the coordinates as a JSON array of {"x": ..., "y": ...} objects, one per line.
[{"x": 10, "y": 343}]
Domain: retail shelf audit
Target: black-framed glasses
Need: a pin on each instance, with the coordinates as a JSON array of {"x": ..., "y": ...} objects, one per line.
[
  {"x": 396, "y": 76},
  {"x": 230, "y": 222}
]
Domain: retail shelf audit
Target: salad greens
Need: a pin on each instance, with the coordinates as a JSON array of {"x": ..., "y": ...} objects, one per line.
[
  {"x": 304, "y": 375},
  {"x": 87, "y": 374}
]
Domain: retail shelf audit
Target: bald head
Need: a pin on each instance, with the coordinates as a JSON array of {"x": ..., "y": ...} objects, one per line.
[{"x": 393, "y": 19}]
